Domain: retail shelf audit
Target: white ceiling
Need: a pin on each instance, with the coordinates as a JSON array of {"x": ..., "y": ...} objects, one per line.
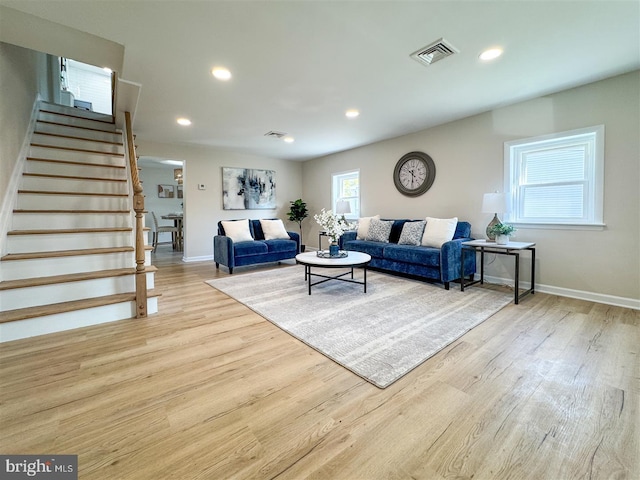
[{"x": 297, "y": 66}]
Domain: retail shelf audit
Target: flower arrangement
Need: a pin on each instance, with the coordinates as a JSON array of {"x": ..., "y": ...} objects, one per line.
[{"x": 333, "y": 224}]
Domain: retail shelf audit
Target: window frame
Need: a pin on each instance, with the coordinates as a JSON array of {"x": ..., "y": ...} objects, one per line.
[
  {"x": 353, "y": 200},
  {"x": 593, "y": 179}
]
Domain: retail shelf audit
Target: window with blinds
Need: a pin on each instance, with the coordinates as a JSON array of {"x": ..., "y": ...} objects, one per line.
[
  {"x": 556, "y": 179},
  {"x": 90, "y": 84}
]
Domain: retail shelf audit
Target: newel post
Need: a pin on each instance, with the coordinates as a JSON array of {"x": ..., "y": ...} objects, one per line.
[{"x": 138, "y": 207}]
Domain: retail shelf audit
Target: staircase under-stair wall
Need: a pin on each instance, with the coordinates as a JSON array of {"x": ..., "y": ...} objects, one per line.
[{"x": 70, "y": 259}]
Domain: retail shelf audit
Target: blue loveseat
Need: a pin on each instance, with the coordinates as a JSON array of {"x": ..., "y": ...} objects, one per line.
[
  {"x": 236, "y": 254},
  {"x": 439, "y": 264}
]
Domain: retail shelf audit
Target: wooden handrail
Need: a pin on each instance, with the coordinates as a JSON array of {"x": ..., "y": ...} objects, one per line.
[{"x": 138, "y": 207}]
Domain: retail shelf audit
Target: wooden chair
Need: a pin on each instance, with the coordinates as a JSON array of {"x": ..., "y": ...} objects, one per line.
[{"x": 158, "y": 229}]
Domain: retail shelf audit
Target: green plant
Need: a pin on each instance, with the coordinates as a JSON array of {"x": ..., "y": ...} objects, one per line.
[
  {"x": 502, "y": 229},
  {"x": 297, "y": 213}
]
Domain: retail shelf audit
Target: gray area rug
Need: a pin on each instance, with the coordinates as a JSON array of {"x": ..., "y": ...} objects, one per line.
[{"x": 380, "y": 335}]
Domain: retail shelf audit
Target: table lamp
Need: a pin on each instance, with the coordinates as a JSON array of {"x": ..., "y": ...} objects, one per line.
[
  {"x": 342, "y": 207},
  {"x": 494, "y": 203}
]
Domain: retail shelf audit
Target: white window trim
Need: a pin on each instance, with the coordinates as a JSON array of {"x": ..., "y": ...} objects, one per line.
[{"x": 597, "y": 199}]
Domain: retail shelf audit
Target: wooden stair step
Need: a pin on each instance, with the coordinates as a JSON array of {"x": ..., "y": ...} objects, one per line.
[
  {"x": 90, "y": 212},
  {"x": 72, "y": 277},
  {"x": 70, "y": 230},
  {"x": 81, "y": 127},
  {"x": 85, "y": 150},
  {"x": 64, "y": 307},
  {"x": 71, "y": 162},
  {"x": 65, "y": 253},
  {"x": 74, "y": 177},
  {"x": 73, "y": 137},
  {"x": 108, "y": 119},
  {"x": 86, "y": 194}
]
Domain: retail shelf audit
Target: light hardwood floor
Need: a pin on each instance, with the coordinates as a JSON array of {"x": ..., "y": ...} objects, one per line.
[{"x": 207, "y": 389}]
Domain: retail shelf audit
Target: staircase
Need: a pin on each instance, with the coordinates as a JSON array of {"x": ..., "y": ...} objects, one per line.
[{"x": 70, "y": 258}]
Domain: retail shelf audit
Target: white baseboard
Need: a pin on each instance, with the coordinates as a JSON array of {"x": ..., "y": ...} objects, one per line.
[
  {"x": 571, "y": 293},
  {"x": 197, "y": 259}
]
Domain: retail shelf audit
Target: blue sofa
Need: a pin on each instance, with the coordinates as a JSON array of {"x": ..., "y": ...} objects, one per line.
[
  {"x": 439, "y": 264},
  {"x": 236, "y": 254}
]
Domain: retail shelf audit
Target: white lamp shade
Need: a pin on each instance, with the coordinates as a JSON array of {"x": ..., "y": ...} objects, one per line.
[
  {"x": 343, "y": 206},
  {"x": 494, "y": 203}
]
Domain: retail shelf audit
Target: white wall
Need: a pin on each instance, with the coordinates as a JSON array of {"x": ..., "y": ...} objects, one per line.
[
  {"x": 203, "y": 208},
  {"x": 42, "y": 35},
  {"x": 469, "y": 161}
]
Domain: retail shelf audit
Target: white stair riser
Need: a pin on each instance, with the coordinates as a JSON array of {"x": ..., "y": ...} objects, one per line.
[
  {"x": 32, "y": 221},
  {"x": 77, "y": 121},
  {"x": 67, "y": 241},
  {"x": 74, "y": 156},
  {"x": 34, "y": 201},
  {"x": 34, "y": 166},
  {"x": 46, "y": 267},
  {"x": 68, "y": 292},
  {"x": 70, "y": 320},
  {"x": 72, "y": 131},
  {"x": 73, "y": 143},
  {"x": 73, "y": 185}
]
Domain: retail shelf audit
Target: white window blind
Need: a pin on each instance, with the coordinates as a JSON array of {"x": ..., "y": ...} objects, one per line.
[
  {"x": 90, "y": 84},
  {"x": 556, "y": 179}
]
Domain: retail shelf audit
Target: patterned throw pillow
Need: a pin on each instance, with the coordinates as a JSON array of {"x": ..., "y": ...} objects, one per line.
[
  {"x": 379, "y": 230},
  {"x": 412, "y": 233}
]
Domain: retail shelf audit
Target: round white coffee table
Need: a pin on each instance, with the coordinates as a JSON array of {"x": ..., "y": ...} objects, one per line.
[{"x": 351, "y": 261}]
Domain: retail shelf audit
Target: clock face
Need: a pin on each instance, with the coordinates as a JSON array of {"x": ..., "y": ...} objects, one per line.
[{"x": 414, "y": 174}]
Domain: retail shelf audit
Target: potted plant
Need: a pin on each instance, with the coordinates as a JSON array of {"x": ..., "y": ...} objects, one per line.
[
  {"x": 297, "y": 213},
  {"x": 502, "y": 231}
]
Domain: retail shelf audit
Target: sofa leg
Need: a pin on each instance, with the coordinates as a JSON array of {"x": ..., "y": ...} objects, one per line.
[
  {"x": 446, "y": 285},
  {"x": 230, "y": 271},
  {"x": 217, "y": 266}
]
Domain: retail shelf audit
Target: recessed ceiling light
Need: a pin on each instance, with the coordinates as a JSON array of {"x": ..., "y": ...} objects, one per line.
[
  {"x": 184, "y": 121},
  {"x": 353, "y": 113},
  {"x": 221, "y": 73},
  {"x": 289, "y": 139},
  {"x": 491, "y": 53}
]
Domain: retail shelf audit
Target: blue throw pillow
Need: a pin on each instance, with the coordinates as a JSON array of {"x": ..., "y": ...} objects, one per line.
[
  {"x": 379, "y": 230},
  {"x": 412, "y": 233}
]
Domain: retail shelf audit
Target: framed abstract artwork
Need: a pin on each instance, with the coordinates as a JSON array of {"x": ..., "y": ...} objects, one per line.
[{"x": 248, "y": 189}]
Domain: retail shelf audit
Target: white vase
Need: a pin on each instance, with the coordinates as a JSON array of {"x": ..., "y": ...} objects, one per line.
[{"x": 502, "y": 239}]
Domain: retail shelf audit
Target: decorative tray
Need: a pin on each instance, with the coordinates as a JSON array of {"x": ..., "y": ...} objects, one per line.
[{"x": 326, "y": 254}]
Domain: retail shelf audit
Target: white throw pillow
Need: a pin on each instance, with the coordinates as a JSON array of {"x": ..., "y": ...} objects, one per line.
[
  {"x": 438, "y": 231},
  {"x": 363, "y": 226},
  {"x": 237, "y": 230},
  {"x": 273, "y": 229}
]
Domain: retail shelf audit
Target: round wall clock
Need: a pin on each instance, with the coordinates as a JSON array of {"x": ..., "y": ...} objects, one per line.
[{"x": 414, "y": 174}]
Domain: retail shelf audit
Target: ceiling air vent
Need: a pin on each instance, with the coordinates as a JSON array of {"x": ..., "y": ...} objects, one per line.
[
  {"x": 436, "y": 51},
  {"x": 274, "y": 134}
]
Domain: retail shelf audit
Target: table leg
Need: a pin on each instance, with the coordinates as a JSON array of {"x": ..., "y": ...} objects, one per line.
[
  {"x": 365, "y": 278},
  {"x": 517, "y": 279},
  {"x": 533, "y": 269},
  {"x": 309, "y": 278}
]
